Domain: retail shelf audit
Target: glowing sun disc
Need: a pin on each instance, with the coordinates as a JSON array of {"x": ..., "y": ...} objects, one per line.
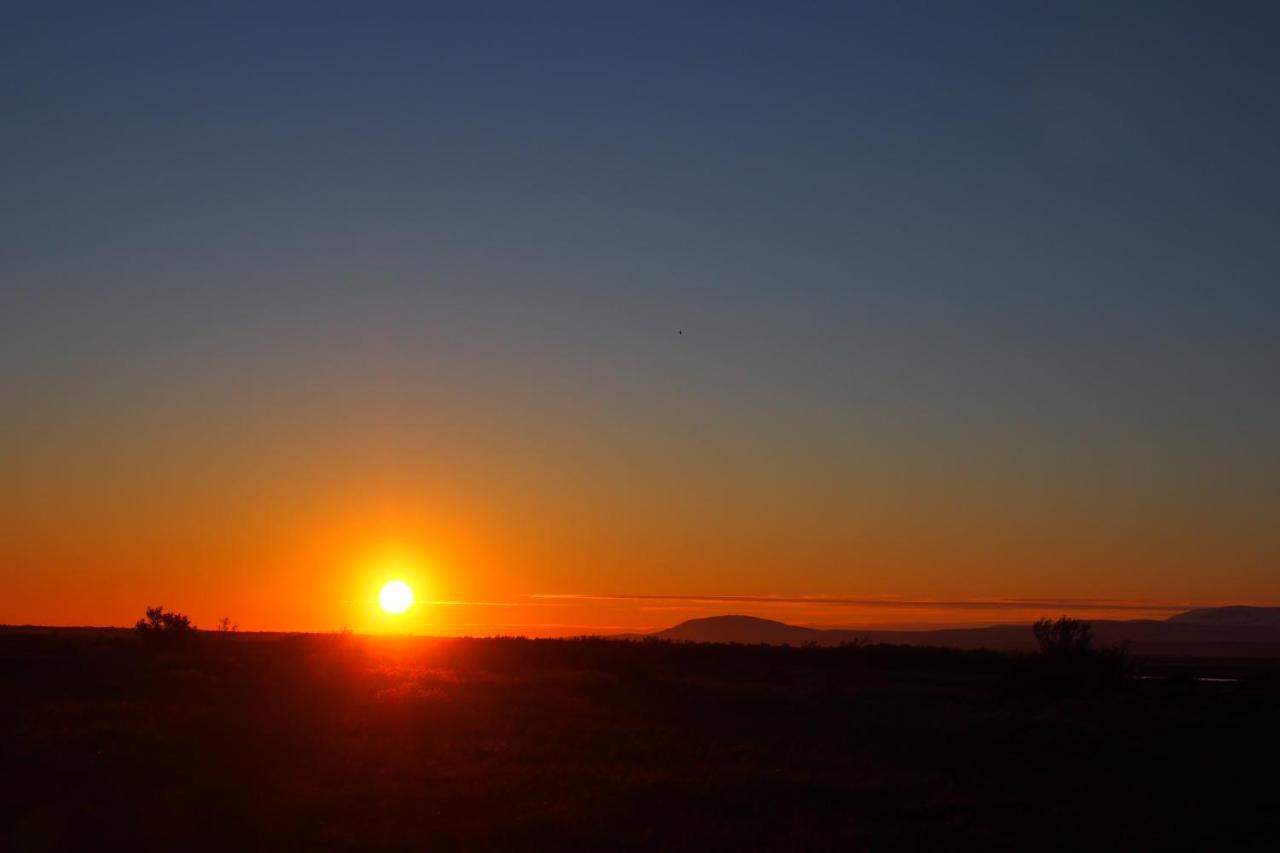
[{"x": 396, "y": 597}]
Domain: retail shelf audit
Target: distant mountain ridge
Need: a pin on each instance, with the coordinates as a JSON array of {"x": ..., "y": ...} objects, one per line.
[
  {"x": 755, "y": 630},
  {"x": 1251, "y": 617},
  {"x": 737, "y": 629},
  {"x": 1236, "y": 631}
]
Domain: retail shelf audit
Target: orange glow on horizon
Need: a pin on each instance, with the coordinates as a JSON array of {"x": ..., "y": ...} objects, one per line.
[{"x": 483, "y": 558}]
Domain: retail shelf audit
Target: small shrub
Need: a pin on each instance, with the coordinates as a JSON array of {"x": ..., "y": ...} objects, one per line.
[
  {"x": 164, "y": 628},
  {"x": 1068, "y": 661},
  {"x": 1064, "y": 637}
]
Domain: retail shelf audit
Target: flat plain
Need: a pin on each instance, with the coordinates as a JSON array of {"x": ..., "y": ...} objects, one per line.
[{"x": 305, "y": 742}]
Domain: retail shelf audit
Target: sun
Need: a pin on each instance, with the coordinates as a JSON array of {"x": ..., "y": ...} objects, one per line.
[{"x": 396, "y": 597}]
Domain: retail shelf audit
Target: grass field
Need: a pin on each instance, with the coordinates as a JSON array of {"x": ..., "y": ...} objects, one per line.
[{"x": 248, "y": 742}]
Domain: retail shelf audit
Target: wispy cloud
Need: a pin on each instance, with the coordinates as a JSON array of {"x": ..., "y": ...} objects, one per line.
[
  {"x": 1091, "y": 604},
  {"x": 558, "y": 626},
  {"x": 452, "y": 603}
]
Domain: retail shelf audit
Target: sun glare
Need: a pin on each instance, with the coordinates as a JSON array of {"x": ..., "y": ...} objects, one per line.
[{"x": 396, "y": 597}]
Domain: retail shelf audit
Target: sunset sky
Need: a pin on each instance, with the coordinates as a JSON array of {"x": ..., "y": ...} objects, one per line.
[{"x": 591, "y": 317}]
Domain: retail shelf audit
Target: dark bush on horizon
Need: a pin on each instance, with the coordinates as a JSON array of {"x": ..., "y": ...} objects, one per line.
[
  {"x": 1064, "y": 637},
  {"x": 162, "y": 628},
  {"x": 1069, "y": 662}
]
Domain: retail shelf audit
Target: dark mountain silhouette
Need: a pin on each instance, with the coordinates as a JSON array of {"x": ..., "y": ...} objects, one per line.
[
  {"x": 1249, "y": 617},
  {"x": 1204, "y": 632},
  {"x": 746, "y": 629}
]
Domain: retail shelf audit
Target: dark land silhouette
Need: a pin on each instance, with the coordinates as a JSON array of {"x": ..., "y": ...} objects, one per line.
[
  {"x": 248, "y": 741},
  {"x": 1206, "y": 632}
]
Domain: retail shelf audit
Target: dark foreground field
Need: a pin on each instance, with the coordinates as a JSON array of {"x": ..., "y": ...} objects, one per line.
[{"x": 338, "y": 742}]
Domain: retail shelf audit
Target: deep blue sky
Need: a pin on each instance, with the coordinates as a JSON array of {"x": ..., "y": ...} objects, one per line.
[{"x": 1042, "y": 235}]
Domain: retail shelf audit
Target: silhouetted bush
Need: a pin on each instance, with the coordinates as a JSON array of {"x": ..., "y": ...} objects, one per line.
[
  {"x": 1068, "y": 661},
  {"x": 1064, "y": 637},
  {"x": 164, "y": 628}
]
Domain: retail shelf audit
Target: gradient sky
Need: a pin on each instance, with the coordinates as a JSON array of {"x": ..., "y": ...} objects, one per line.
[{"x": 979, "y": 305}]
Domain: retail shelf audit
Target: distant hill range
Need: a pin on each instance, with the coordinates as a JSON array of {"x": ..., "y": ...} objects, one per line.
[{"x": 1204, "y": 632}]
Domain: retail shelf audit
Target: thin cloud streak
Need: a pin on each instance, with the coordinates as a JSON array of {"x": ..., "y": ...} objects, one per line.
[
  {"x": 453, "y": 603},
  {"x": 962, "y": 604},
  {"x": 558, "y": 626}
]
